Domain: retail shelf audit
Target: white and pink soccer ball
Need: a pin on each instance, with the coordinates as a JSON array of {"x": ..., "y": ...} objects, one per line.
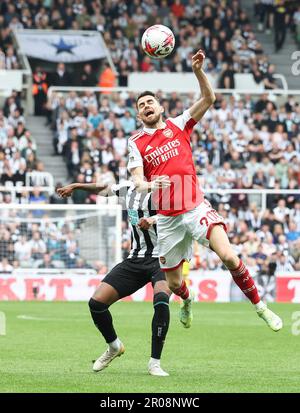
[{"x": 158, "y": 41}]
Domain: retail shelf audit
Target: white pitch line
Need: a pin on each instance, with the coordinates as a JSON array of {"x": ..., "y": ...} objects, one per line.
[
  {"x": 29, "y": 317},
  {"x": 33, "y": 318}
]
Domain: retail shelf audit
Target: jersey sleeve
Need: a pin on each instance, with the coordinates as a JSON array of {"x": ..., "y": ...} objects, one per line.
[
  {"x": 184, "y": 122},
  {"x": 134, "y": 155}
]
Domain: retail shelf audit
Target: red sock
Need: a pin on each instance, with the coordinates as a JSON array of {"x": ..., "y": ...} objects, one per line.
[
  {"x": 182, "y": 291},
  {"x": 245, "y": 282}
]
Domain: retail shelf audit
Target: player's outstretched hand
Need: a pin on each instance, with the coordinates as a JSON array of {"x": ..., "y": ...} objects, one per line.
[
  {"x": 161, "y": 182},
  {"x": 198, "y": 60},
  {"x": 146, "y": 223},
  {"x": 65, "y": 191}
]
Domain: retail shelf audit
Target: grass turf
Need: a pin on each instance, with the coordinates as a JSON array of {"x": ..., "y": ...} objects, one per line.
[{"x": 227, "y": 349}]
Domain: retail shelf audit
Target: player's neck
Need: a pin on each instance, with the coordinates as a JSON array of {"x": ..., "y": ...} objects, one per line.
[{"x": 159, "y": 125}]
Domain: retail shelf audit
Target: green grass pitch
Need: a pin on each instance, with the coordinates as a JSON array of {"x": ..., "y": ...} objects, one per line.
[{"x": 227, "y": 349}]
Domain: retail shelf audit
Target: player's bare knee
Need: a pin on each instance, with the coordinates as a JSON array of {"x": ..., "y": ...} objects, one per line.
[
  {"x": 105, "y": 293},
  {"x": 174, "y": 284},
  {"x": 230, "y": 259},
  {"x": 162, "y": 287}
]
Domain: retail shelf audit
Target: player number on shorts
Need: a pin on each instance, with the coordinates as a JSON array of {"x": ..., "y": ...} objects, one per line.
[
  {"x": 211, "y": 215},
  {"x": 204, "y": 220}
]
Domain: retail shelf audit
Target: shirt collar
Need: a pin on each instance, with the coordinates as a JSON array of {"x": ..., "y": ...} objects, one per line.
[{"x": 151, "y": 131}]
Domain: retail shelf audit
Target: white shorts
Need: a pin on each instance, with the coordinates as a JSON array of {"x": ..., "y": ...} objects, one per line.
[{"x": 176, "y": 234}]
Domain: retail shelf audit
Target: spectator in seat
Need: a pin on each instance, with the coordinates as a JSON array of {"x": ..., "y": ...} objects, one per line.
[
  {"x": 71, "y": 256},
  {"x": 259, "y": 180},
  {"x": 292, "y": 234},
  {"x": 280, "y": 23},
  {"x": 119, "y": 143},
  {"x": 39, "y": 91},
  {"x": 23, "y": 250},
  {"x": 87, "y": 170},
  {"x": 260, "y": 257},
  {"x": 296, "y": 19},
  {"x": 128, "y": 123},
  {"x": 61, "y": 77},
  {"x": 5, "y": 266},
  {"x": 227, "y": 77},
  {"x": 37, "y": 197},
  {"x": 284, "y": 263},
  {"x": 106, "y": 176},
  {"x": 107, "y": 78},
  {"x": 54, "y": 247},
  {"x": 38, "y": 246},
  {"x": 295, "y": 252},
  {"x": 46, "y": 262},
  {"x": 73, "y": 152},
  {"x": 257, "y": 74},
  {"x": 281, "y": 212},
  {"x": 87, "y": 77},
  {"x": 269, "y": 80}
]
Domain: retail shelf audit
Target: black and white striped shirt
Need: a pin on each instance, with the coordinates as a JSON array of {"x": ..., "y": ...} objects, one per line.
[{"x": 143, "y": 242}]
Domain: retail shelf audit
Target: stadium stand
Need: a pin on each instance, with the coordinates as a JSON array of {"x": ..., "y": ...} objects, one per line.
[
  {"x": 244, "y": 142},
  {"x": 224, "y": 32},
  {"x": 8, "y": 56}
]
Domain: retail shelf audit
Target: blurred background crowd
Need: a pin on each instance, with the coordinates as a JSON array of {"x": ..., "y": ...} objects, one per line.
[
  {"x": 221, "y": 28},
  {"x": 244, "y": 142}
]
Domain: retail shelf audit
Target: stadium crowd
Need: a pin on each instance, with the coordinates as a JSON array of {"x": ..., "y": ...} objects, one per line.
[
  {"x": 277, "y": 17},
  {"x": 34, "y": 239},
  {"x": 221, "y": 28},
  {"x": 8, "y": 56},
  {"x": 242, "y": 143},
  {"x": 25, "y": 242}
]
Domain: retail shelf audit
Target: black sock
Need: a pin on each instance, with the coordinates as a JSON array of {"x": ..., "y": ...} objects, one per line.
[
  {"x": 102, "y": 319},
  {"x": 160, "y": 323}
]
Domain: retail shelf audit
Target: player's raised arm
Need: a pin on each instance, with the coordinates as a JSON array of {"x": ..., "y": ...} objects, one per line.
[{"x": 208, "y": 97}]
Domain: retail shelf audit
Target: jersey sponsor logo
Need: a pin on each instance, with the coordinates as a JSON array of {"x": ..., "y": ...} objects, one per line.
[
  {"x": 163, "y": 153},
  {"x": 162, "y": 260},
  {"x": 168, "y": 133},
  {"x": 148, "y": 148}
]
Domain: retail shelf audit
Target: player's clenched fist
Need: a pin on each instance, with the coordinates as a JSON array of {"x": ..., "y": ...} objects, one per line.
[
  {"x": 160, "y": 182},
  {"x": 146, "y": 223},
  {"x": 198, "y": 60}
]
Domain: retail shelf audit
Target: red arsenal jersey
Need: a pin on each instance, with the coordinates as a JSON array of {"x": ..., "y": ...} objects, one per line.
[{"x": 168, "y": 151}]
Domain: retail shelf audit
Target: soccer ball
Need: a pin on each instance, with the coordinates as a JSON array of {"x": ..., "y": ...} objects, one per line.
[{"x": 158, "y": 41}]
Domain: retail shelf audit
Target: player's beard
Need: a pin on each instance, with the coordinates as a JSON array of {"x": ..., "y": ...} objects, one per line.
[{"x": 151, "y": 123}]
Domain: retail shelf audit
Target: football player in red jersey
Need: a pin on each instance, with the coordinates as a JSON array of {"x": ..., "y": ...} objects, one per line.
[{"x": 162, "y": 154}]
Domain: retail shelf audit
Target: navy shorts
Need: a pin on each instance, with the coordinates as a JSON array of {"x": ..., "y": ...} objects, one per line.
[{"x": 134, "y": 273}]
